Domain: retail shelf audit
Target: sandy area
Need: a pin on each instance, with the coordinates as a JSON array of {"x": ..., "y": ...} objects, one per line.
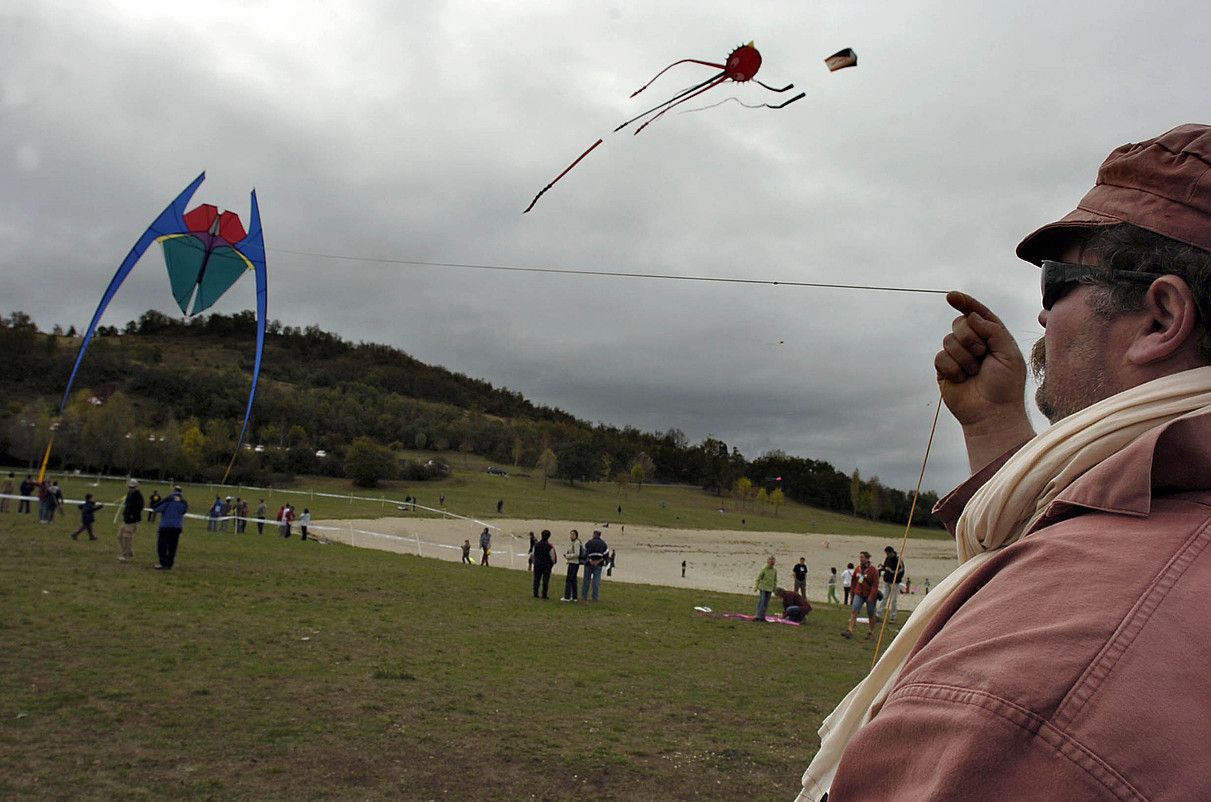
[{"x": 716, "y": 560}]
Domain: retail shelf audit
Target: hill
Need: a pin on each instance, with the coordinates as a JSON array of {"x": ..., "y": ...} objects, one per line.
[{"x": 163, "y": 397}]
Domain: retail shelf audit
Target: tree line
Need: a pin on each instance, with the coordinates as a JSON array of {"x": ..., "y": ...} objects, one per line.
[{"x": 162, "y": 396}]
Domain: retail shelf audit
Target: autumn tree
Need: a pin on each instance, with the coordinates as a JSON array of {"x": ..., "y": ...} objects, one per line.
[
  {"x": 777, "y": 498},
  {"x": 367, "y": 462},
  {"x": 548, "y": 463},
  {"x": 641, "y": 468}
]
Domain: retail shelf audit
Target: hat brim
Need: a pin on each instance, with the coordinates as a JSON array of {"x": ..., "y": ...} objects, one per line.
[{"x": 1049, "y": 240}]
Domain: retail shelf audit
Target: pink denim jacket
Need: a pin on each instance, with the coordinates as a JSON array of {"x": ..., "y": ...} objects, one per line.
[{"x": 1075, "y": 664}]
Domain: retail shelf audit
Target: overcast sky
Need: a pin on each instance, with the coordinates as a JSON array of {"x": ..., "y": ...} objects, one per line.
[{"x": 419, "y": 131}]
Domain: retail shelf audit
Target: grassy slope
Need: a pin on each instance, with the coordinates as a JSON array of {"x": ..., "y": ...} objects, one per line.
[
  {"x": 473, "y": 492},
  {"x": 420, "y": 680}
]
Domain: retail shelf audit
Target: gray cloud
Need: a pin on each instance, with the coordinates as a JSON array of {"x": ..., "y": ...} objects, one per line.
[{"x": 417, "y": 133}]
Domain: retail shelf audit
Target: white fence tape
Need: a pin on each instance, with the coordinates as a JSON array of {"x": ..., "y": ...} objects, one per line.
[{"x": 311, "y": 527}]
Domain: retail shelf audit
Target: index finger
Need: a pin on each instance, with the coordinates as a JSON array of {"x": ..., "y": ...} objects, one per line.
[{"x": 967, "y": 304}]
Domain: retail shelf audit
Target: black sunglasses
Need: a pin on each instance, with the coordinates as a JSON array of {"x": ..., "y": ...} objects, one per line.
[{"x": 1058, "y": 278}]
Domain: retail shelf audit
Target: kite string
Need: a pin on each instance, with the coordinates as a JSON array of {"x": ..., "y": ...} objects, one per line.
[
  {"x": 904, "y": 540},
  {"x": 608, "y": 273}
]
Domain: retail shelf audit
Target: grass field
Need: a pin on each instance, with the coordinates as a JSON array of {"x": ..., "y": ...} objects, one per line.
[
  {"x": 269, "y": 669},
  {"x": 472, "y": 492}
]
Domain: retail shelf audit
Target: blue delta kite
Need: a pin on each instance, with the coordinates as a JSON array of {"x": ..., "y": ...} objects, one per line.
[{"x": 206, "y": 252}]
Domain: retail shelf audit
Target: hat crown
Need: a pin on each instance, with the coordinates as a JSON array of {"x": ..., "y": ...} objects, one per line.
[{"x": 1162, "y": 185}]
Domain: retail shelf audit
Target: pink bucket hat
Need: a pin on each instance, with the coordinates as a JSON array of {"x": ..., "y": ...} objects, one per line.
[{"x": 1162, "y": 185}]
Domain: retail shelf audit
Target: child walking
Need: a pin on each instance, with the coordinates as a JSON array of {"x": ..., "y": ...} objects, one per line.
[
  {"x": 88, "y": 514},
  {"x": 832, "y": 586}
]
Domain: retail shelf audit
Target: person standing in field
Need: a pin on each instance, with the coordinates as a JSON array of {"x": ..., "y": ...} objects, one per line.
[
  {"x": 766, "y": 584},
  {"x": 893, "y": 574},
  {"x": 530, "y": 553},
  {"x": 152, "y": 503},
  {"x": 573, "y": 556},
  {"x": 304, "y": 522},
  {"x": 800, "y": 572},
  {"x": 132, "y": 513},
  {"x": 847, "y": 578},
  {"x": 467, "y": 551},
  {"x": 485, "y": 546},
  {"x": 88, "y": 514},
  {"x": 595, "y": 553},
  {"x": 832, "y": 585},
  {"x": 261, "y": 511},
  {"x": 864, "y": 588},
  {"x": 172, "y": 520},
  {"x": 544, "y": 561},
  {"x": 27, "y": 490}
]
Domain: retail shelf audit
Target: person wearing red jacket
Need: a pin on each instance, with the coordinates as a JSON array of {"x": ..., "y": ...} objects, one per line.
[{"x": 864, "y": 588}]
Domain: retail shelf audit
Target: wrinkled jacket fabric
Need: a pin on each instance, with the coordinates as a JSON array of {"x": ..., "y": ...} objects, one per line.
[
  {"x": 172, "y": 512},
  {"x": 1074, "y": 664}
]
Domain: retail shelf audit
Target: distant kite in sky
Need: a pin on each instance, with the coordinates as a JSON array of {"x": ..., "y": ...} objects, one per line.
[
  {"x": 842, "y": 59},
  {"x": 205, "y": 252},
  {"x": 741, "y": 66}
]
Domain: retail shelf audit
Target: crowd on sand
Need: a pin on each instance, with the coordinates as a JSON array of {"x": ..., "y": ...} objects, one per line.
[
  {"x": 167, "y": 511},
  {"x": 594, "y": 555},
  {"x": 877, "y": 589}
]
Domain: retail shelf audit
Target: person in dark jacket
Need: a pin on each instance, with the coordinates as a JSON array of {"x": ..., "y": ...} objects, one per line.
[
  {"x": 88, "y": 514},
  {"x": 172, "y": 520},
  {"x": 595, "y": 554},
  {"x": 544, "y": 561},
  {"x": 132, "y": 513},
  {"x": 152, "y": 503},
  {"x": 27, "y": 490}
]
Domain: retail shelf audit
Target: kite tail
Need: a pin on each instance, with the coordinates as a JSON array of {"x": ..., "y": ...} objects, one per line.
[
  {"x": 711, "y": 85},
  {"x": 542, "y": 191},
  {"x": 786, "y": 88},
  {"x": 672, "y": 100},
  {"x": 46, "y": 457},
  {"x": 799, "y": 96},
  {"x": 671, "y": 66}
]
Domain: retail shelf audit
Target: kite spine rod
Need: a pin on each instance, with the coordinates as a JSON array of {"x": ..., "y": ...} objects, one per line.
[{"x": 612, "y": 273}]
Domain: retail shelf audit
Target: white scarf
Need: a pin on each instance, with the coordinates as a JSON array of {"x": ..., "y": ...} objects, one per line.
[{"x": 1000, "y": 513}]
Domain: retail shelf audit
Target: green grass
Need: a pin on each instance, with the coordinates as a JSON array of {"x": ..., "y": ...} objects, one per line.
[
  {"x": 471, "y": 491},
  {"x": 271, "y": 669}
]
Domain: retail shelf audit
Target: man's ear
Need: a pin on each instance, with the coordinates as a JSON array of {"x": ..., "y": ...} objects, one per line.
[{"x": 1168, "y": 325}]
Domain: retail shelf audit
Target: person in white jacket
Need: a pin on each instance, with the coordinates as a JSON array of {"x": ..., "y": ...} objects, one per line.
[{"x": 574, "y": 555}]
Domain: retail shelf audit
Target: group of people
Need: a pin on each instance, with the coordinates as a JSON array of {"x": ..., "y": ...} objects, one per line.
[
  {"x": 795, "y": 605},
  {"x": 48, "y": 493},
  {"x": 875, "y": 588},
  {"x": 595, "y": 556}
]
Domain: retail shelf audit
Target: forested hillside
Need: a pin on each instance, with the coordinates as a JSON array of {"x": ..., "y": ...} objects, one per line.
[{"x": 165, "y": 397}]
